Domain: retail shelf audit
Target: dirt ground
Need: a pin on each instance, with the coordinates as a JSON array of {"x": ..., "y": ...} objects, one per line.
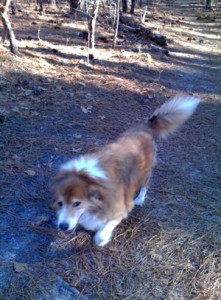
[{"x": 55, "y": 106}]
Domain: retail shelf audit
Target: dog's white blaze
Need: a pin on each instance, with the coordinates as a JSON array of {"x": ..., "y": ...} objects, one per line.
[
  {"x": 87, "y": 164},
  {"x": 63, "y": 217},
  {"x": 141, "y": 197}
]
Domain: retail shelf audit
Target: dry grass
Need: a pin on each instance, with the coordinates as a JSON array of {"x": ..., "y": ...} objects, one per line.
[
  {"x": 144, "y": 261},
  {"x": 159, "y": 265}
]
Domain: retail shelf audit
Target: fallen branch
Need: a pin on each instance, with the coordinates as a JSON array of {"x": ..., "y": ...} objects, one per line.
[
  {"x": 129, "y": 28},
  {"x": 159, "y": 50}
]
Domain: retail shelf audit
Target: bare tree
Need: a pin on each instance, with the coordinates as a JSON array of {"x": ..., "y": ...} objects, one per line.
[
  {"x": 53, "y": 3},
  {"x": 92, "y": 23},
  {"x": 8, "y": 32},
  {"x": 14, "y": 7},
  {"x": 143, "y": 15},
  {"x": 73, "y": 5},
  {"x": 124, "y": 6},
  {"x": 133, "y": 3},
  {"x": 208, "y": 4},
  {"x": 116, "y": 25},
  {"x": 39, "y": 6}
]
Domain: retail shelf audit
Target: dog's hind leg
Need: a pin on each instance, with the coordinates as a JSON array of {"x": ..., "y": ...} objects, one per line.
[
  {"x": 103, "y": 236},
  {"x": 139, "y": 200}
]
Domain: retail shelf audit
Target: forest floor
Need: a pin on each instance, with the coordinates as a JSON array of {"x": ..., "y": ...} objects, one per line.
[{"x": 55, "y": 106}]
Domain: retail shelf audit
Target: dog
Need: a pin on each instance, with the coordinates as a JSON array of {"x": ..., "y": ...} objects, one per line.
[{"x": 98, "y": 190}]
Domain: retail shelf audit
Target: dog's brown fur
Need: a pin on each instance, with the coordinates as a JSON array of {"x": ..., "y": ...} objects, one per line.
[{"x": 127, "y": 164}]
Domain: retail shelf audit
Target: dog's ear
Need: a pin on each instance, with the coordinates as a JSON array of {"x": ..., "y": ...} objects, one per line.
[
  {"x": 62, "y": 180},
  {"x": 58, "y": 180},
  {"x": 95, "y": 195}
]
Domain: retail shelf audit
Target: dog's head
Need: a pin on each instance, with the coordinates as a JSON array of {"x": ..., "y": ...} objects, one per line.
[{"x": 74, "y": 194}]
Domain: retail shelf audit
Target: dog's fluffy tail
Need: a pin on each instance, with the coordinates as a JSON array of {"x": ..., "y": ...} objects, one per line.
[{"x": 172, "y": 114}]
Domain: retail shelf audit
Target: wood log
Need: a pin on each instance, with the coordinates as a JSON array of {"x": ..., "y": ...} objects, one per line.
[
  {"x": 159, "y": 39},
  {"x": 129, "y": 28},
  {"x": 128, "y": 23}
]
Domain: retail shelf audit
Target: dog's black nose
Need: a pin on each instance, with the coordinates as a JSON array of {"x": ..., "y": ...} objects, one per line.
[{"x": 63, "y": 226}]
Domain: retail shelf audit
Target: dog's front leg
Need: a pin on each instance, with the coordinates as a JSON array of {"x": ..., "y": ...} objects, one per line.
[
  {"x": 103, "y": 236},
  {"x": 139, "y": 200}
]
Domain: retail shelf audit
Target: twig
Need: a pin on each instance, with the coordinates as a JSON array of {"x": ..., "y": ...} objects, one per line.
[{"x": 40, "y": 40}]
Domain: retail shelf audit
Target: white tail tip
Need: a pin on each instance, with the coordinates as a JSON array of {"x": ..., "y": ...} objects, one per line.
[{"x": 186, "y": 103}]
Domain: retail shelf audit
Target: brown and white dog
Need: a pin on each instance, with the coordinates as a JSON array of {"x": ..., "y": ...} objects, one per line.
[{"x": 98, "y": 190}]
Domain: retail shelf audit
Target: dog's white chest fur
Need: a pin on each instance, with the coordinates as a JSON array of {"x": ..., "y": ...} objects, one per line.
[{"x": 91, "y": 222}]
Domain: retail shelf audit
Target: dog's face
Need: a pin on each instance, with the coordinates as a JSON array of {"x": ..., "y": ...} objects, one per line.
[
  {"x": 69, "y": 212},
  {"x": 74, "y": 194}
]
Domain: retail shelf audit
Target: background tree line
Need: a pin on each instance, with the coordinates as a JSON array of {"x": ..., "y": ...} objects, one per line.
[{"x": 90, "y": 9}]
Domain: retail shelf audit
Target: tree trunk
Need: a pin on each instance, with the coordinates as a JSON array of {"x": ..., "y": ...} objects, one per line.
[
  {"x": 40, "y": 3},
  {"x": 91, "y": 24},
  {"x": 143, "y": 16},
  {"x": 73, "y": 5},
  {"x": 53, "y": 3},
  {"x": 7, "y": 26},
  {"x": 133, "y": 3},
  {"x": 124, "y": 6},
  {"x": 83, "y": 5},
  {"x": 116, "y": 23},
  {"x": 208, "y": 4},
  {"x": 14, "y": 7}
]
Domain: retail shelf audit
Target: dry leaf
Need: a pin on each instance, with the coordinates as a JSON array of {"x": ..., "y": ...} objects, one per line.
[
  {"x": 16, "y": 157},
  {"x": 34, "y": 113},
  {"x": 30, "y": 172},
  {"x": 77, "y": 135},
  {"x": 81, "y": 83},
  {"x": 40, "y": 88},
  {"x": 20, "y": 267},
  {"x": 28, "y": 92},
  {"x": 16, "y": 109},
  {"x": 76, "y": 150},
  {"x": 58, "y": 88},
  {"x": 149, "y": 92},
  {"x": 86, "y": 110}
]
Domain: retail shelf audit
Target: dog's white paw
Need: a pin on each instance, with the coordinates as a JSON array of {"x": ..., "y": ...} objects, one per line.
[
  {"x": 99, "y": 241},
  {"x": 139, "y": 200}
]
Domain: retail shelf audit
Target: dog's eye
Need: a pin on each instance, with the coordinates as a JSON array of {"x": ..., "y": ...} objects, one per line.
[
  {"x": 60, "y": 204},
  {"x": 77, "y": 203}
]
